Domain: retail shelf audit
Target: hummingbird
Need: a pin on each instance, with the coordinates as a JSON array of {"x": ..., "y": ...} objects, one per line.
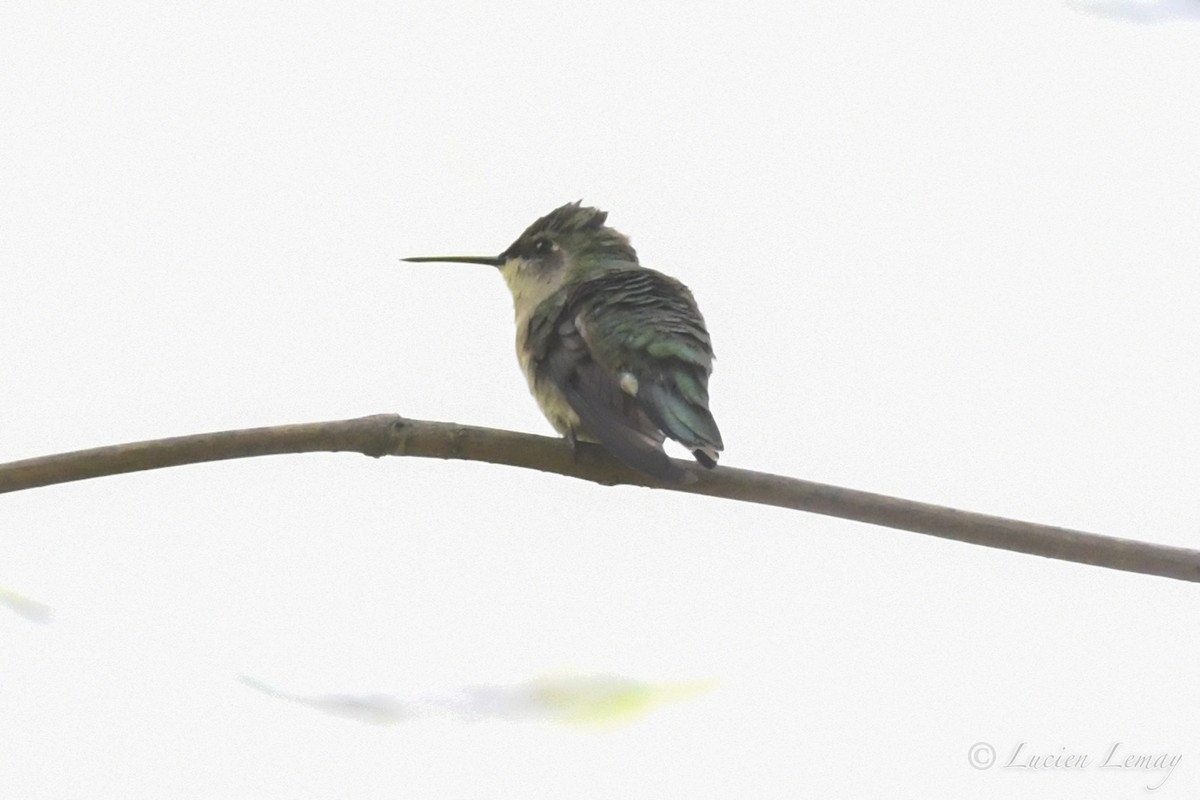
[{"x": 614, "y": 352}]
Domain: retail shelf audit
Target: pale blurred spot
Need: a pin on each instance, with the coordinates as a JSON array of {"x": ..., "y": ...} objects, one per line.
[
  {"x": 605, "y": 700},
  {"x": 1140, "y": 11},
  {"x": 375, "y": 709},
  {"x": 583, "y": 700},
  {"x": 31, "y": 610}
]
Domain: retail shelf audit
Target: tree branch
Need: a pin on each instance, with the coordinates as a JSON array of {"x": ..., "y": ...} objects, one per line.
[{"x": 390, "y": 434}]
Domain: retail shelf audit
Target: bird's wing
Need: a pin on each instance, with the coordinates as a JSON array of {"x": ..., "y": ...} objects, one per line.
[{"x": 628, "y": 350}]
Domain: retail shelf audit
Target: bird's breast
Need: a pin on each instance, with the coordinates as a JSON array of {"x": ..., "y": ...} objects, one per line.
[{"x": 549, "y": 399}]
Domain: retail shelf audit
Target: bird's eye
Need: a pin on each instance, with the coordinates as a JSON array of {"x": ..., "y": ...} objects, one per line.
[{"x": 543, "y": 247}]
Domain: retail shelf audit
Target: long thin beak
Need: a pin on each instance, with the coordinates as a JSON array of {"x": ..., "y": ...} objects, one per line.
[{"x": 491, "y": 261}]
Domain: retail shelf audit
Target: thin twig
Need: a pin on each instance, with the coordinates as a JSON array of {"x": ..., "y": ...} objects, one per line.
[{"x": 389, "y": 434}]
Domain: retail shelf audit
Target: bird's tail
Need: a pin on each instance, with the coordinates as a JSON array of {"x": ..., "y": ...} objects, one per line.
[{"x": 678, "y": 404}]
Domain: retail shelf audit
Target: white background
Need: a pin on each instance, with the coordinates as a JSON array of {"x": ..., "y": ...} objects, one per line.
[{"x": 947, "y": 251}]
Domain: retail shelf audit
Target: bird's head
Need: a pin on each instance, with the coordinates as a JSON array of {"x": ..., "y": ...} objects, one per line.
[{"x": 569, "y": 240}]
